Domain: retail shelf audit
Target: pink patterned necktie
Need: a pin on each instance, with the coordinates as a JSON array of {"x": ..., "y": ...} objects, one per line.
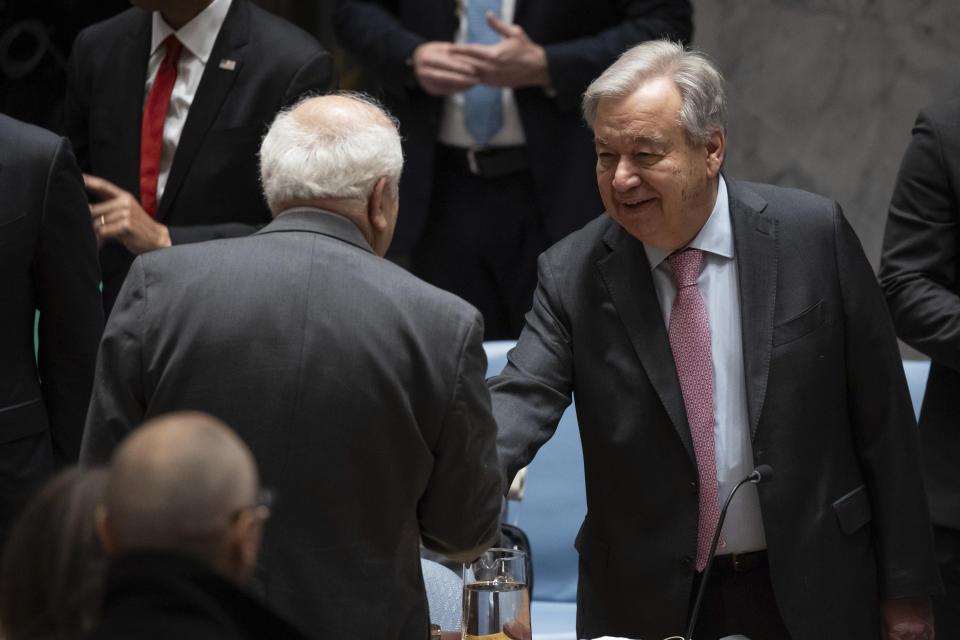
[{"x": 690, "y": 343}]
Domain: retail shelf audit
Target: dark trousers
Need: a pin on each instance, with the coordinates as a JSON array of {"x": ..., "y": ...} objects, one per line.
[
  {"x": 738, "y": 602},
  {"x": 482, "y": 240},
  {"x": 946, "y": 608}
]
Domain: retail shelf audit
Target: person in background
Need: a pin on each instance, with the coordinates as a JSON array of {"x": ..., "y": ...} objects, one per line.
[
  {"x": 359, "y": 388},
  {"x": 51, "y": 576},
  {"x": 498, "y": 161},
  {"x": 182, "y": 518},
  {"x": 166, "y": 103},
  {"x": 918, "y": 273},
  {"x": 48, "y": 262}
]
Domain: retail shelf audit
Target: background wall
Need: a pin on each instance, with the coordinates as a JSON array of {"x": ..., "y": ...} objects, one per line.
[{"x": 823, "y": 93}]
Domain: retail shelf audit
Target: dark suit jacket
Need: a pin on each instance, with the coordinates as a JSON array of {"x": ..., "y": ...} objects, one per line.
[
  {"x": 920, "y": 274},
  {"x": 160, "y": 595},
  {"x": 358, "y": 387},
  {"x": 581, "y": 39},
  {"x": 213, "y": 190},
  {"x": 48, "y": 258},
  {"x": 845, "y": 517}
]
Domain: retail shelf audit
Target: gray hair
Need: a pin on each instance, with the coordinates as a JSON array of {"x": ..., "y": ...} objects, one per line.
[
  {"x": 305, "y": 162},
  {"x": 699, "y": 82}
]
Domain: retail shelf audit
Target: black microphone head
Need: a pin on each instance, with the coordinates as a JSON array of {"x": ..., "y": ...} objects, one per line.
[{"x": 763, "y": 473}]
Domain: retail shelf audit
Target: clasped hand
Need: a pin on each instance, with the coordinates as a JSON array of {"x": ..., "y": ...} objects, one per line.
[{"x": 443, "y": 68}]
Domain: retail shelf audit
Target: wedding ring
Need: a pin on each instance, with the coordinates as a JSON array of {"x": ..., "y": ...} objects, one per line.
[{"x": 102, "y": 221}]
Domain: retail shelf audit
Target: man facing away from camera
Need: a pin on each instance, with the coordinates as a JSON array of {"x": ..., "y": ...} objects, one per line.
[
  {"x": 182, "y": 521},
  {"x": 359, "y": 388}
]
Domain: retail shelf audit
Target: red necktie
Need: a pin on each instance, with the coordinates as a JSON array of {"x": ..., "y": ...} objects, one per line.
[
  {"x": 151, "y": 131},
  {"x": 690, "y": 343}
]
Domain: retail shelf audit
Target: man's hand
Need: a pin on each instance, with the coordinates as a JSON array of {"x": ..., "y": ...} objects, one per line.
[
  {"x": 907, "y": 618},
  {"x": 516, "y": 630},
  {"x": 440, "y": 71},
  {"x": 515, "y": 61},
  {"x": 120, "y": 218}
]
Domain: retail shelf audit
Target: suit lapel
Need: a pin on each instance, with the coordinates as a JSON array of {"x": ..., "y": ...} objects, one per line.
[
  {"x": 213, "y": 89},
  {"x": 130, "y": 80},
  {"x": 626, "y": 274},
  {"x": 755, "y": 242}
]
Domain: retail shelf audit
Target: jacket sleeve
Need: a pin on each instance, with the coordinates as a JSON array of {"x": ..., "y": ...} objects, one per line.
[
  {"x": 535, "y": 387},
  {"x": 119, "y": 398},
  {"x": 884, "y": 428},
  {"x": 76, "y": 105},
  {"x": 919, "y": 262},
  {"x": 71, "y": 317},
  {"x": 459, "y": 511}
]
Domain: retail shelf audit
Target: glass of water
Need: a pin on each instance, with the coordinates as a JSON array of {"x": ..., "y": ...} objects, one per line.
[{"x": 496, "y": 601}]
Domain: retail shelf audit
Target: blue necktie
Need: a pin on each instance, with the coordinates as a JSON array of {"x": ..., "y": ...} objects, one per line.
[{"x": 482, "y": 108}]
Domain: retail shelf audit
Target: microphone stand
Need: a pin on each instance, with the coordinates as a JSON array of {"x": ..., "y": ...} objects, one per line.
[{"x": 762, "y": 473}]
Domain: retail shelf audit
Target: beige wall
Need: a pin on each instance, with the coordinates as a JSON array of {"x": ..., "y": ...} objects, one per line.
[{"x": 823, "y": 93}]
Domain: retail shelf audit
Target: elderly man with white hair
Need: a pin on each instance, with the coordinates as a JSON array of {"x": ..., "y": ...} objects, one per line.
[
  {"x": 358, "y": 387},
  {"x": 706, "y": 326}
]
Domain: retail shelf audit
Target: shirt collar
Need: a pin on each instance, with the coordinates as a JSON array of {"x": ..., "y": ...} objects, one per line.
[
  {"x": 716, "y": 235},
  {"x": 198, "y": 35}
]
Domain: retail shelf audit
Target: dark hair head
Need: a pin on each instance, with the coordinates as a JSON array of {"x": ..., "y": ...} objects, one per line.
[{"x": 53, "y": 563}]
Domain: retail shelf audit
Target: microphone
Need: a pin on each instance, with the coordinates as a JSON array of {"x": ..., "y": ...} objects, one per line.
[{"x": 762, "y": 473}]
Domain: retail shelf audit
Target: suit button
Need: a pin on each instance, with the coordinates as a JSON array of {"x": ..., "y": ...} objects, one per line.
[
  {"x": 686, "y": 563},
  {"x": 693, "y": 488}
]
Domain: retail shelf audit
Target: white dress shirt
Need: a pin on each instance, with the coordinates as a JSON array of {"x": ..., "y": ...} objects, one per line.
[
  {"x": 197, "y": 38},
  {"x": 452, "y": 130},
  {"x": 720, "y": 289}
]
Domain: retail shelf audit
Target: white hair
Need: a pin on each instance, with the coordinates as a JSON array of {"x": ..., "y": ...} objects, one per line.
[
  {"x": 301, "y": 162},
  {"x": 700, "y": 83}
]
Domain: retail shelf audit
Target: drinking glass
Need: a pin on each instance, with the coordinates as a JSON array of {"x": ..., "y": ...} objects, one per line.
[{"x": 496, "y": 602}]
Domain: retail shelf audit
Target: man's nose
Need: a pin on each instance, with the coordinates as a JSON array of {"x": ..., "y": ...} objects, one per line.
[{"x": 626, "y": 176}]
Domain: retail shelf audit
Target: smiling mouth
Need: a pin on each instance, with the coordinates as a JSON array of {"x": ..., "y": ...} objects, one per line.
[{"x": 637, "y": 204}]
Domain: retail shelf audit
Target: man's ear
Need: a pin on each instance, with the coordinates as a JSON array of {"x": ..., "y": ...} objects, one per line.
[
  {"x": 378, "y": 206},
  {"x": 716, "y": 146},
  {"x": 105, "y": 530},
  {"x": 244, "y": 545},
  {"x": 382, "y": 209}
]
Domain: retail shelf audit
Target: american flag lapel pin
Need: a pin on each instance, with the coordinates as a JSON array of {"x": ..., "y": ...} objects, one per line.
[{"x": 228, "y": 64}]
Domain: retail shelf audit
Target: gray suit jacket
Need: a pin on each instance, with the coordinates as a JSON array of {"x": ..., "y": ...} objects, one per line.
[
  {"x": 358, "y": 387},
  {"x": 846, "y": 520}
]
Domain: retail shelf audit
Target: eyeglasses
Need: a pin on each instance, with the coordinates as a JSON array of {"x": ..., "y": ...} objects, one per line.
[{"x": 260, "y": 507}]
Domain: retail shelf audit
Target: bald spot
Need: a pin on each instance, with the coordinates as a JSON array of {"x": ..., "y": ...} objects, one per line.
[
  {"x": 176, "y": 481},
  {"x": 330, "y": 116}
]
